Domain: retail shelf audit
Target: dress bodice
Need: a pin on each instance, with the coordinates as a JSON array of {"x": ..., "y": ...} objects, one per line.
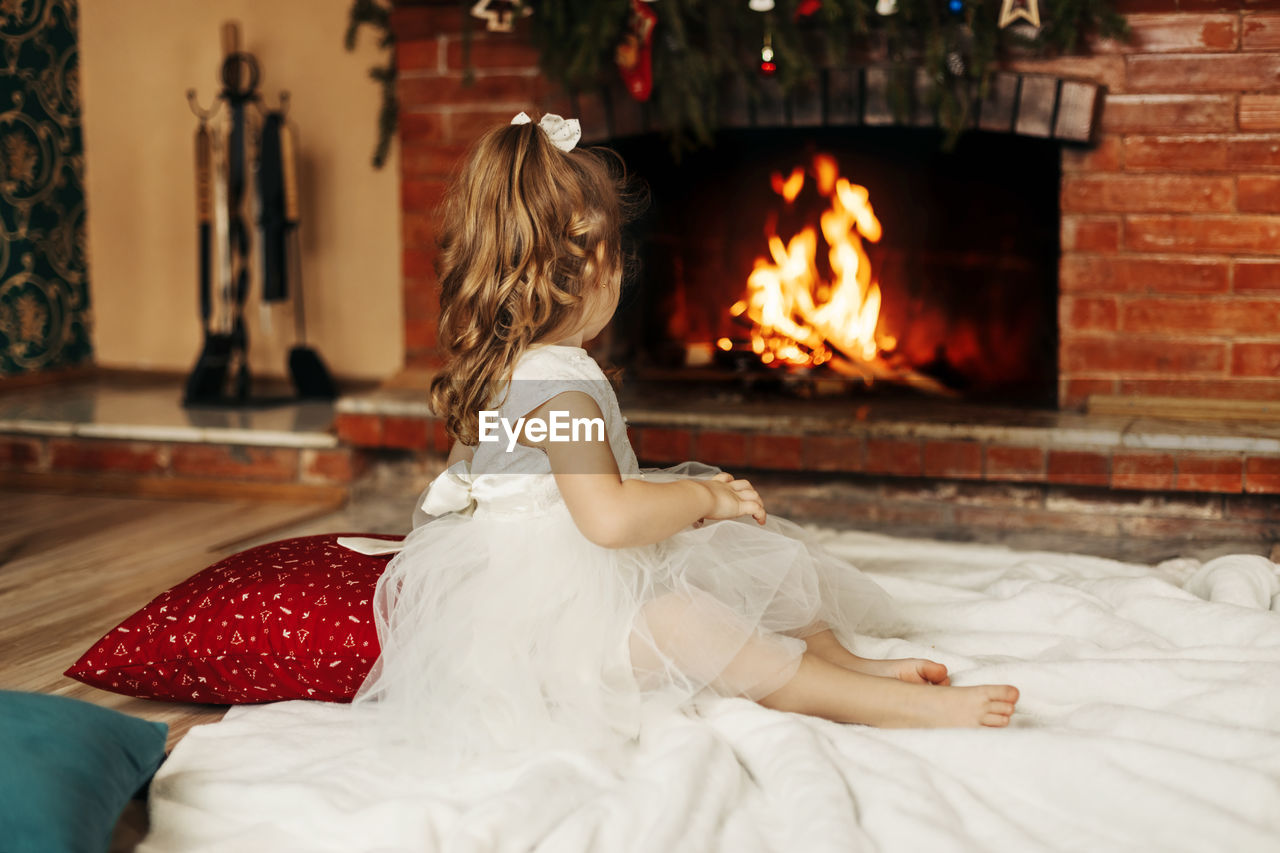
[
  {"x": 542, "y": 373},
  {"x": 504, "y": 478}
]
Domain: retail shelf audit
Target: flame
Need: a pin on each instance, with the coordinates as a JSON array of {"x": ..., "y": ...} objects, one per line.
[
  {"x": 789, "y": 187},
  {"x": 826, "y": 171},
  {"x": 798, "y": 318}
]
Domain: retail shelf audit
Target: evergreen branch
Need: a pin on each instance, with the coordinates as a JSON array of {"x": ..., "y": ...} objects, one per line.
[{"x": 377, "y": 14}]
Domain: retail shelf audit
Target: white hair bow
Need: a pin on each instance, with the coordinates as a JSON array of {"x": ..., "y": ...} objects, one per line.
[{"x": 564, "y": 133}]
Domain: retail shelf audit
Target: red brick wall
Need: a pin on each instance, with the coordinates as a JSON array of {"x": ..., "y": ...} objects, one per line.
[
  {"x": 1170, "y": 271},
  {"x": 440, "y": 115}
]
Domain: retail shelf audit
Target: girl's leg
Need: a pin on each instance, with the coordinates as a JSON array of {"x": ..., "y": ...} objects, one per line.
[
  {"x": 821, "y": 688},
  {"x": 914, "y": 670},
  {"x": 694, "y": 638}
]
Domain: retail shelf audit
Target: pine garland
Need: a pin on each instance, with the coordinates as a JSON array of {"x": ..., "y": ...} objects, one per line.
[
  {"x": 377, "y": 14},
  {"x": 698, "y": 44}
]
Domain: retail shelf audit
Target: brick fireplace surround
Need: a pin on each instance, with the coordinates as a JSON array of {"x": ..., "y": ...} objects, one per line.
[{"x": 1169, "y": 284}]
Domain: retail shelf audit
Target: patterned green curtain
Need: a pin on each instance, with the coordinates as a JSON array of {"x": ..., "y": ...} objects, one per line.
[{"x": 44, "y": 287}]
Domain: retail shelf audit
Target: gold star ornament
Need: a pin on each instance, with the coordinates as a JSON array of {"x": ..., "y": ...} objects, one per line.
[
  {"x": 1024, "y": 10},
  {"x": 500, "y": 15}
]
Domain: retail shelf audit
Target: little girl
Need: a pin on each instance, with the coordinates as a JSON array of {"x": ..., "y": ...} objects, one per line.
[{"x": 559, "y": 594}]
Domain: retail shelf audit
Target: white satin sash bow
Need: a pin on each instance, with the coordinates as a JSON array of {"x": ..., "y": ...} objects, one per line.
[
  {"x": 370, "y": 547},
  {"x": 451, "y": 491},
  {"x": 564, "y": 133}
]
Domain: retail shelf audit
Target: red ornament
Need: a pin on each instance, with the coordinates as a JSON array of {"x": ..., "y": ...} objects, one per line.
[
  {"x": 634, "y": 54},
  {"x": 805, "y": 8}
]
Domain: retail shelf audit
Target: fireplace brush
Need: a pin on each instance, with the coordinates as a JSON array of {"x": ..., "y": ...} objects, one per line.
[{"x": 209, "y": 376}]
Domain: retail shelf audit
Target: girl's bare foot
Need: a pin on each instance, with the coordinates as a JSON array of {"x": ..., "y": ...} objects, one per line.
[
  {"x": 826, "y": 689},
  {"x": 911, "y": 670},
  {"x": 984, "y": 705}
]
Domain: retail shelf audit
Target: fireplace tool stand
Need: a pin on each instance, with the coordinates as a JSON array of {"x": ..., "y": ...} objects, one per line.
[{"x": 226, "y": 201}]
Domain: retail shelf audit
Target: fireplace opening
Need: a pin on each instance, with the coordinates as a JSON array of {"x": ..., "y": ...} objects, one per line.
[{"x": 848, "y": 262}]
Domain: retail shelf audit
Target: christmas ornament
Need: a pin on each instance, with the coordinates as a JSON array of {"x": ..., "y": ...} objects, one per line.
[
  {"x": 767, "y": 66},
  {"x": 1025, "y": 10},
  {"x": 500, "y": 15},
  {"x": 760, "y": 5},
  {"x": 807, "y": 7},
  {"x": 960, "y": 50},
  {"x": 956, "y": 7},
  {"x": 886, "y": 7},
  {"x": 634, "y": 54}
]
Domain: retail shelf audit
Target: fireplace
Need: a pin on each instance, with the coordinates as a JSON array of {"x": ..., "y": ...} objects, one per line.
[
  {"x": 1168, "y": 223},
  {"x": 1144, "y": 251},
  {"x": 954, "y": 293}
]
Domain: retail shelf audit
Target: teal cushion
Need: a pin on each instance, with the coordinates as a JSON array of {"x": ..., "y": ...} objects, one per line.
[{"x": 67, "y": 770}]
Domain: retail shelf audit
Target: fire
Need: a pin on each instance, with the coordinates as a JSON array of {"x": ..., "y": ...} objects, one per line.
[
  {"x": 791, "y": 186},
  {"x": 801, "y": 319}
]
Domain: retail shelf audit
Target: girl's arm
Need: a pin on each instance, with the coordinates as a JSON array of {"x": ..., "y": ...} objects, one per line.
[{"x": 617, "y": 513}]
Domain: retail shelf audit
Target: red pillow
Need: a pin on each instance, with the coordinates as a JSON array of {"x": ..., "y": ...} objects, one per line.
[{"x": 287, "y": 620}]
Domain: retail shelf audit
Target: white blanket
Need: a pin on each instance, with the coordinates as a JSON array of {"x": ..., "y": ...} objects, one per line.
[{"x": 1149, "y": 720}]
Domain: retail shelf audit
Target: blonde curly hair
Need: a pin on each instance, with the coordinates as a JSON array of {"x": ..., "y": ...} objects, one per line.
[{"x": 527, "y": 232}]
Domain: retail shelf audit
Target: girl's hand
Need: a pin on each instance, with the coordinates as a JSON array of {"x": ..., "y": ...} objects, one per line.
[{"x": 733, "y": 499}]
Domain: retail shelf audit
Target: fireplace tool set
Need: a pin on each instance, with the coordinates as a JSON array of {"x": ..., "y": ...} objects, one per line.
[{"x": 247, "y": 173}]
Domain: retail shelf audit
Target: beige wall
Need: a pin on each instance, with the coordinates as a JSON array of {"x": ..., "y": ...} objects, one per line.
[{"x": 138, "y": 58}]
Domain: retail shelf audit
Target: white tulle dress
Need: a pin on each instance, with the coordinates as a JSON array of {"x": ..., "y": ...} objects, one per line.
[{"x": 504, "y": 629}]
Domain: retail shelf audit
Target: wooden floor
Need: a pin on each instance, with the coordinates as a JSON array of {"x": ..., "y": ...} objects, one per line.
[{"x": 72, "y": 567}]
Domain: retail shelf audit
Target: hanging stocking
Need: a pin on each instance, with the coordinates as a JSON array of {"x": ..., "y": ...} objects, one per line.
[{"x": 634, "y": 54}]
